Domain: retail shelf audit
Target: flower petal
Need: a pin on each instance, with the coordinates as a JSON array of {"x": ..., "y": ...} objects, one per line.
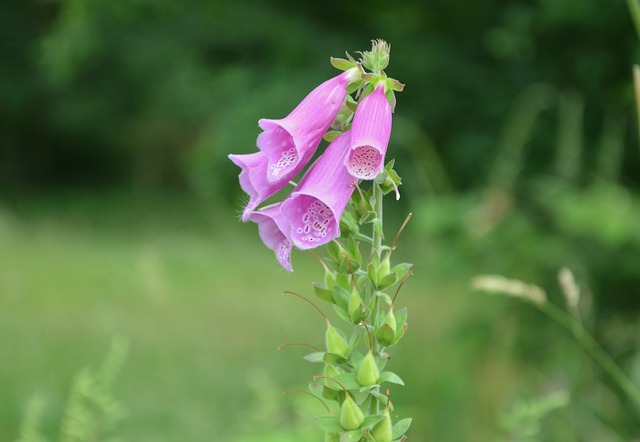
[{"x": 274, "y": 229}]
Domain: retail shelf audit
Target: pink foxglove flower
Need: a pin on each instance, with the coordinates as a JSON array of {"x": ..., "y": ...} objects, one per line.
[
  {"x": 370, "y": 133},
  {"x": 292, "y": 141},
  {"x": 253, "y": 179},
  {"x": 274, "y": 229},
  {"x": 316, "y": 205}
]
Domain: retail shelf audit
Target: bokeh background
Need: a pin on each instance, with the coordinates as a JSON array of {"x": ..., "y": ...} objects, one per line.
[{"x": 516, "y": 138}]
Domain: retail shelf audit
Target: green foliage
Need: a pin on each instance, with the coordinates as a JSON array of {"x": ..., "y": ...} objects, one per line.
[{"x": 92, "y": 413}]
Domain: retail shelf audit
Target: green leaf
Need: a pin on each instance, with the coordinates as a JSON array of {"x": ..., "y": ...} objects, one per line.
[
  {"x": 328, "y": 424},
  {"x": 317, "y": 356},
  {"x": 390, "y": 377},
  {"x": 354, "y": 254},
  {"x": 343, "y": 313},
  {"x": 401, "y": 427},
  {"x": 332, "y": 358},
  {"x": 351, "y": 436},
  {"x": 342, "y": 64},
  {"x": 402, "y": 269},
  {"x": 349, "y": 381},
  {"x": 341, "y": 297},
  {"x": 370, "y": 421},
  {"x": 377, "y": 225},
  {"x": 322, "y": 292}
]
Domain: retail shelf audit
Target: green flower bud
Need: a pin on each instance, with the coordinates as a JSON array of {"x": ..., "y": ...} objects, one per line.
[
  {"x": 382, "y": 431},
  {"x": 335, "y": 342},
  {"x": 368, "y": 374},
  {"x": 386, "y": 333},
  {"x": 356, "y": 309},
  {"x": 351, "y": 416}
]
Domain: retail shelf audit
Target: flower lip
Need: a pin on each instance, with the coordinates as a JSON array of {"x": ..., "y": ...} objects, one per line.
[{"x": 274, "y": 229}]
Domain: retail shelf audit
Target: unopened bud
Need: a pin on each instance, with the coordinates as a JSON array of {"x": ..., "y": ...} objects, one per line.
[
  {"x": 336, "y": 343},
  {"x": 368, "y": 374},
  {"x": 382, "y": 431},
  {"x": 351, "y": 416}
]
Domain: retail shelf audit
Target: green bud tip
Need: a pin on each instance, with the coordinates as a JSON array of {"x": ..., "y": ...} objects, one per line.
[{"x": 378, "y": 58}]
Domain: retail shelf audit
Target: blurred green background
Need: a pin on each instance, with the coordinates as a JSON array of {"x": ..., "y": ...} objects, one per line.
[{"x": 516, "y": 138}]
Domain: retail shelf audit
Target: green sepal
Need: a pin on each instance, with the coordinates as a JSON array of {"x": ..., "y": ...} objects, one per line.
[
  {"x": 331, "y": 135},
  {"x": 388, "y": 281},
  {"x": 389, "y": 180},
  {"x": 391, "y": 97},
  {"x": 336, "y": 250},
  {"x": 330, "y": 394},
  {"x": 402, "y": 269},
  {"x": 394, "y": 85},
  {"x": 401, "y": 427},
  {"x": 342, "y": 64},
  {"x": 343, "y": 313},
  {"x": 391, "y": 377},
  {"x": 352, "y": 87},
  {"x": 328, "y": 424},
  {"x": 372, "y": 272},
  {"x": 348, "y": 224},
  {"x": 341, "y": 296},
  {"x": 316, "y": 356},
  {"x": 355, "y": 307},
  {"x": 333, "y": 358},
  {"x": 322, "y": 292},
  {"x": 351, "y": 436},
  {"x": 386, "y": 335},
  {"x": 332, "y": 437},
  {"x": 354, "y": 254},
  {"x": 367, "y": 217},
  {"x": 343, "y": 280},
  {"x": 401, "y": 323},
  {"x": 372, "y": 419}
]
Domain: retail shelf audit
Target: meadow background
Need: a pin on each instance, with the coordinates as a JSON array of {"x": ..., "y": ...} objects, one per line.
[{"x": 517, "y": 141}]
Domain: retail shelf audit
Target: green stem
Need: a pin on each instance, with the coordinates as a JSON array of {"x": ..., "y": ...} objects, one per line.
[
  {"x": 574, "y": 327},
  {"x": 377, "y": 252},
  {"x": 377, "y": 232}
]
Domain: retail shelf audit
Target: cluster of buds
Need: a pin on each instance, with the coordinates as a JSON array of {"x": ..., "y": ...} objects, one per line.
[{"x": 338, "y": 203}]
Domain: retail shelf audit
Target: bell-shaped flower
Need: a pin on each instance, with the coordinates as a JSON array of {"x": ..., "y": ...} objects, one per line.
[
  {"x": 316, "y": 205},
  {"x": 274, "y": 229},
  {"x": 292, "y": 141},
  {"x": 370, "y": 133}
]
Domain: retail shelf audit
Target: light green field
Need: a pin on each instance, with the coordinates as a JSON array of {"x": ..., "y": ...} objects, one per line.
[{"x": 198, "y": 298}]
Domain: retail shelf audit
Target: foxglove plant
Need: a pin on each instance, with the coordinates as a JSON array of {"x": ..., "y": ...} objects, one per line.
[{"x": 331, "y": 206}]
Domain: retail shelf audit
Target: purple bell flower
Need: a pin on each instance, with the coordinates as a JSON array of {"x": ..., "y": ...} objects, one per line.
[
  {"x": 370, "y": 132},
  {"x": 316, "y": 205}
]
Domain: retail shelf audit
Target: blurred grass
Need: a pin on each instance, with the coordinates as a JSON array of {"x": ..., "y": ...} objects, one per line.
[{"x": 198, "y": 296}]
